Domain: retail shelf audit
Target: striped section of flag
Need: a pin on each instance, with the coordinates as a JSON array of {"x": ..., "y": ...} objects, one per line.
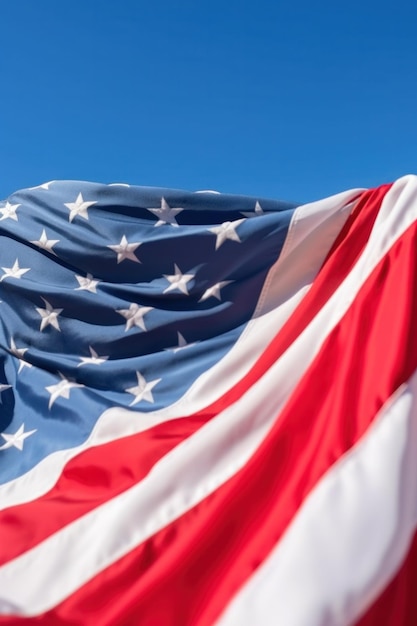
[{"x": 239, "y": 447}]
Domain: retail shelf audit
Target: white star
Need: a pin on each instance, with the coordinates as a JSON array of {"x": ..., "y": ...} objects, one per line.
[
  {"x": 214, "y": 290},
  {"x": 143, "y": 390},
  {"x": 166, "y": 214},
  {"x": 134, "y": 315},
  {"x": 258, "y": 211},
  {"x": 225, "y": 231},
  {"x": 61, "y": 389},
  {"x": 3, "y": 387},
  {"x": 178, "y": 281},
  {"x": 94, "y": 359},
  {"x": 19, "y": 352},
  {"x": 87, "y": 283},
  {"x": 79, "y": 207},
  {"x": 9, "y": 212},
  {"x": 49, "y": 315},
  {"x": 17, "y": 439},
  {"x": 182, "y": 343},
  {"x": 126, "y": 250},
  {"x": 45, "y": 243},
  {"x": 14, "y": 272},
  {"x": 43, "y": 186}
]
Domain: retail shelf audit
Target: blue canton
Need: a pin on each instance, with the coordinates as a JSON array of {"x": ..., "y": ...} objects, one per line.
[{"x": 115, "y": 295}]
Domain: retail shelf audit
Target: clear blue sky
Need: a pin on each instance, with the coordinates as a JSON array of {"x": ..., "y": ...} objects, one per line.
[{"x": 290, "y": 100}]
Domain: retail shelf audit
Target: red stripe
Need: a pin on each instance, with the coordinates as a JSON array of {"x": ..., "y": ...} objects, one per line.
[
  {"x": 188, "y": 572},
  {"x": 100, "y": 473},
  {"x": 397, "y": 606},
  {"x": 88, "y": 480}
]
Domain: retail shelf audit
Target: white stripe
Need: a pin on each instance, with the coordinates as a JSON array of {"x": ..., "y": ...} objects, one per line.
[
  {"x": 30, "y": 585},
  {"x": 350, "y": 536},
  {"x": 314, "y": 227}
]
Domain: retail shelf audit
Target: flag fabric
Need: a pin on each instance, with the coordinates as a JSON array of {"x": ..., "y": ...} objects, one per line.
[{"x": 208, "y": 408}]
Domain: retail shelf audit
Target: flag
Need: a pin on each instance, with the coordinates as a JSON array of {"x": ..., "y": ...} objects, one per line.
[{"x": 208, "y": 407}]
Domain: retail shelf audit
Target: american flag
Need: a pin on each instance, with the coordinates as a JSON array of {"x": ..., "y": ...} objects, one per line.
[{"x": 208, "y": 407}]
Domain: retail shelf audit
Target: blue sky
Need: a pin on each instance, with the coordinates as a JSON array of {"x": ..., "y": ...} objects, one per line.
[{"x": 289, "y": 100}]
